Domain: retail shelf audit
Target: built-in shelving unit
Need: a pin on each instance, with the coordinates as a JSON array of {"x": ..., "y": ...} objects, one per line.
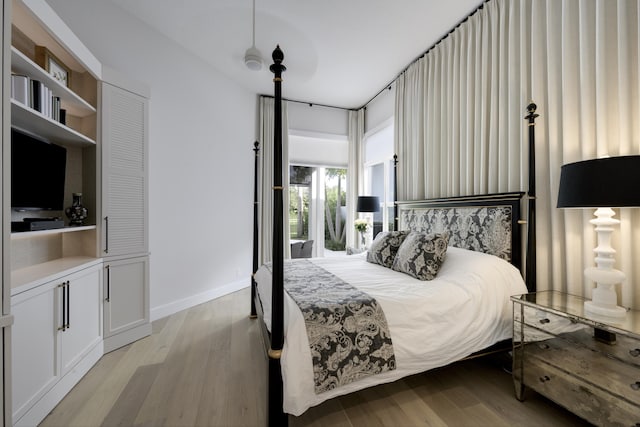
[
  {"x": 56, "y": 284},
  {"x": 78, "y": 135}
]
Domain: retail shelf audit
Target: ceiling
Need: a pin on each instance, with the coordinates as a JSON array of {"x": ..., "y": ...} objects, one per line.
[{"x": 337, "y": 52}]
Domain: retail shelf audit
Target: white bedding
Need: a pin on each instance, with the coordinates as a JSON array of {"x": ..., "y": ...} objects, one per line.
[{"x": 466, "y": 308}]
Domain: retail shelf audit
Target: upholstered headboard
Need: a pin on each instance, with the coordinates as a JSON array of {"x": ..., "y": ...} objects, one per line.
[{"x": 486, "y": 223}]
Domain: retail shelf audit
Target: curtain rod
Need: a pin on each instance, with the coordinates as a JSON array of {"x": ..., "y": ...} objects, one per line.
[
  {"x": 390, "y": 84},
  {"x": 311, "y": 104}
]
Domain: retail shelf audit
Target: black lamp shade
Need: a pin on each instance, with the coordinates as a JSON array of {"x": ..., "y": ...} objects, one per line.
[
  {"x": 368, "y": 204},
  {"x": 600, "y": 183}
]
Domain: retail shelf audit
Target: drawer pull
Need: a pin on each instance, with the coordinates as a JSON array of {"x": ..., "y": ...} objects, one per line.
[
  {"x": 546, "y": 378},
  {"x": 543, "y": 321},
  {"x": 543, "y": 346},
  {"x": 636, "y": 385},
  {"x": 635, "y": 352}
]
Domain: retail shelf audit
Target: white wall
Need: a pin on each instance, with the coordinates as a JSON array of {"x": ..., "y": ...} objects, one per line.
[
  {"x": 380, "y": 109},
  {"x": 317, "y": 119},
  {"x": 202, "y": 128}
]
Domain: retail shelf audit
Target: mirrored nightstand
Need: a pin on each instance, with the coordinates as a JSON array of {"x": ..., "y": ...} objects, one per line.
[{"x": 590, "y": 366}]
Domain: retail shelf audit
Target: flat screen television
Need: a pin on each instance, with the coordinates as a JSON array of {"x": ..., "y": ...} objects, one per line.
[{"x": 37, "y": 173}]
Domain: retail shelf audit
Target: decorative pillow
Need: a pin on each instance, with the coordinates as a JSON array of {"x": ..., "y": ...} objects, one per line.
[
  {"x": 385, "y": 246},
  {"x": 421, "y": 255}
]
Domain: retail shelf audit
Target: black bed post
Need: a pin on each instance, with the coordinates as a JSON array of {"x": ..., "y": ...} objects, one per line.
[
  {"x": 276, "y": 415},
  {"x": 256, "y": 150},
  {"x": 530, "y": 272},
  {"x": 395, "y": 192}
]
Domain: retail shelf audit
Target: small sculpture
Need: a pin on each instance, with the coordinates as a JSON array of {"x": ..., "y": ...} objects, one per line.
[{"x": 76, "y": 212}]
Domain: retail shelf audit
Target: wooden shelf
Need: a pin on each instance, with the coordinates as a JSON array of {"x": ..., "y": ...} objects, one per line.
[
  {"x": 27, "y": 278},
  {"x": 32, "y": 121},
  {"x": 73, "y": 103},
  {"x": 28, "y": 234}
]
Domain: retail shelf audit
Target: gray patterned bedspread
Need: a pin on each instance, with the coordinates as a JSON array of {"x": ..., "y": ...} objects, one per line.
[{"x": 348, "y": 334}]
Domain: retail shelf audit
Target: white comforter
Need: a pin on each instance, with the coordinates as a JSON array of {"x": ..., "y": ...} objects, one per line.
[{"x": 465, "y": 309}]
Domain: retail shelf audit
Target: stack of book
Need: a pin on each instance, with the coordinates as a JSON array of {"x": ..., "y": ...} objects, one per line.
[{"x": 34, "y": 94}]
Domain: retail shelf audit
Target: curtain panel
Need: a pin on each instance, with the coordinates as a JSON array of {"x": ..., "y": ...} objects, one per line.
[
  {"x": 265, "y": 179},
  {"x": 354, "y": 173},
  {"x": 460, "y": 126}
]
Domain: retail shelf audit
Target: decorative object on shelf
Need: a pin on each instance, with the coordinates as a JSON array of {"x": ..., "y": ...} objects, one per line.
[
  {"x": 76, "y": 213},
  {"x": 253, "y": 57},
  {"x": 53, "y": 65},
  {"x": 602, "y": 184}
]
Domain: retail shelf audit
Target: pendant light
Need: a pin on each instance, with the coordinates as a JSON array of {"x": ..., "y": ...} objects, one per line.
[{"x": 253, "y": 57}]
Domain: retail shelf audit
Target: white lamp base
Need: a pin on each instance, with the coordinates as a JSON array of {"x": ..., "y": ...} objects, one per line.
[
  {"x": 604, "y": 297},
  {"x": 615, "y": 313}
]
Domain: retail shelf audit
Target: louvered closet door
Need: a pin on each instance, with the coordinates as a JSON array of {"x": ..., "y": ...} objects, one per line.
[{"x": 124, "y": 182}]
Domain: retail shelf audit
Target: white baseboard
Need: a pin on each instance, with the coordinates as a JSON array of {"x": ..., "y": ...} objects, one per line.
[{"x": 183, "y": 304}]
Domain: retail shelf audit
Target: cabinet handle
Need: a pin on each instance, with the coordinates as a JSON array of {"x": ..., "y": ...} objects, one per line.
[
  {"x": 106, "y": 234},
  {"x": 544, "y": 378},
  {"x": 543, "y": 321},
  {"x": 636, "y": 385},
  {"x": 68, "y": 326},
  {"x": 63, "y": 285},
  {"x": 108, "y": 298},
  {"x": 635, "y": 352}
]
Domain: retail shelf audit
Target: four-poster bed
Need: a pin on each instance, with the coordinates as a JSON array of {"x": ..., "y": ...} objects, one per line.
[{"x": 463, "y": 311}]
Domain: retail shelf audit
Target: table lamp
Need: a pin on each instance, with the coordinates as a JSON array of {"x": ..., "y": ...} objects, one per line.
[{"x": 602, "y": 184}]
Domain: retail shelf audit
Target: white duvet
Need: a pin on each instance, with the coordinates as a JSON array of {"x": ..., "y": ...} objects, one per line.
[{"x": 466, "y": 308}]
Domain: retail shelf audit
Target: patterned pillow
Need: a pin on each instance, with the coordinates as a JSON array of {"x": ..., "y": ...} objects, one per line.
[
  {"x": 385, "y": 246},
  {"x": 421, "y": 255}
]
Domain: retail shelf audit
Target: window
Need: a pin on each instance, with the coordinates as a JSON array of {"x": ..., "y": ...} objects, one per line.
[
  {"x": 299, "y": 197},
  {"x": 335, "y": 207},
  {"x": 379, "y": 177},
  {"x": 318, "y": 187}
]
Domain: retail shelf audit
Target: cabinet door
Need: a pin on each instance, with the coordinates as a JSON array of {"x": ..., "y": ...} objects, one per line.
[
  {"x": 124, "y": 172},
  {"x": 34, "y": 345},
  {"x": 84, "y": 326},
  {"x": 126, "y": 294}
]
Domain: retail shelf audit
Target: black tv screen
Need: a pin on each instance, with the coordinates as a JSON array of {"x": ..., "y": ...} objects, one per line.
[{"x": 37, "y": 173}]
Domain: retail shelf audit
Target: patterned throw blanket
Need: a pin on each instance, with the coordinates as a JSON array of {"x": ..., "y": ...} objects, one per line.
[{"x": 347, "y": 329}]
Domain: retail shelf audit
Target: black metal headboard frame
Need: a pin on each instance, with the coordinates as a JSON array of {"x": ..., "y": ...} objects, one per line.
[{"x": 487, "y": 223}]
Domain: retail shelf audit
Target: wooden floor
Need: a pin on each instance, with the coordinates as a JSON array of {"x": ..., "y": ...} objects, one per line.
[{"x": 206, "y": 367}]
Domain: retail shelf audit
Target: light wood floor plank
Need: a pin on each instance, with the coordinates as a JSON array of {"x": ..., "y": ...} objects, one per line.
[
  {"x": 125, "y": 409},
  {"x": 418, "y": 413},
  {"x": 205, "y": 366}
]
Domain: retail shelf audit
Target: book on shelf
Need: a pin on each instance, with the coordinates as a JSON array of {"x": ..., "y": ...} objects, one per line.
[
  {"x": 34, "y": 94},
  {"x": 20, "y": 88}
]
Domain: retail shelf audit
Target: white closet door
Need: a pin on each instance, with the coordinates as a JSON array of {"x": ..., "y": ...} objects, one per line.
[{"x": 124, "y": 183}]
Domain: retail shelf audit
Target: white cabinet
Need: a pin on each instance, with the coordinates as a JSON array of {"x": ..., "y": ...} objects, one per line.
[
  {"x": 124, "y": 235},
  {"x": 57, "y": 337},
  {"x": 34, "y": 368},
  {"x": 126, "y": 301}
]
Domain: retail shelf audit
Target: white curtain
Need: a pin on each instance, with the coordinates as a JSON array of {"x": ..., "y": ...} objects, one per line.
[
  {"x": 265, "y": 181},
  {"x": 354, "y": 172},
  {"x": 460, "y": 128}
]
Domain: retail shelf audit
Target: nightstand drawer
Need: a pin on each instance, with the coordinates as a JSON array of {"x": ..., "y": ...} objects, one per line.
[
  {"x": 547, "y": 321},
  {"x": 619, "y": 378},
  {"x": 585, "y": 399},
  {"x": 541, "y": 325}
]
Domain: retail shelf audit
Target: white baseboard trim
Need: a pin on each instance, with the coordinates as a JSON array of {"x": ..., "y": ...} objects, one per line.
[{"x": 183, "y": 304}]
